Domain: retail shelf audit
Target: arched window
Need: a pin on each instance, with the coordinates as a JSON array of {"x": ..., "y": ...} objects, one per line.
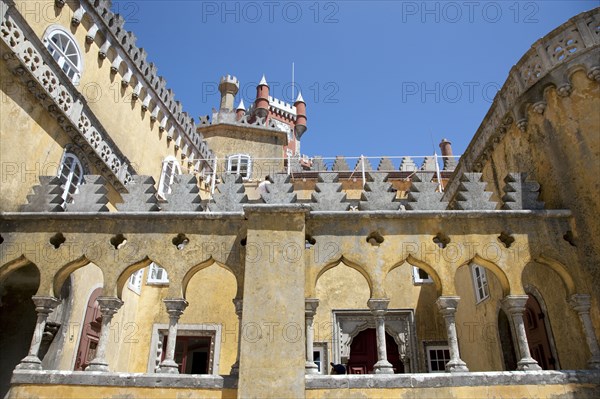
[
  {"x": 71, "y": 171},
  {"x": 63, "y": 47},
  {"x": 239, "y": 164},
  {"x": 170, "y": 168}
]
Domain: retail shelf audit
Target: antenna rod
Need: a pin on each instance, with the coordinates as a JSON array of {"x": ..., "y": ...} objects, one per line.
[{"x": 293, "y": 85}]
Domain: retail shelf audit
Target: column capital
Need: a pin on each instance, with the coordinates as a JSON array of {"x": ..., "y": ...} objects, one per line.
[
  {"x": 175, "y": 306},
  {"x": 581, "y": 303},
  {"x": 447, "y": 304},
  {"x": 514, "y": 303},
  {"x": 310, "y": 306},
  {"x": 45, "y": 304},
  {"x": 378, "y": 306},
  {"x": 109, "y": 305}
]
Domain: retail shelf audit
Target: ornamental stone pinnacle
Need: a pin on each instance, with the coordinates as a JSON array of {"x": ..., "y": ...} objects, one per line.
[
  {"x": 141, "y": 196},
  {"x": 230, "y": 196},
  {"x": 184, "y": 196},
  {"x": 47, "y": 196},
  {"x": 328, "y": 195},
  {"x": 378, "y": 194},
  {"x": 90, "y": 196}
]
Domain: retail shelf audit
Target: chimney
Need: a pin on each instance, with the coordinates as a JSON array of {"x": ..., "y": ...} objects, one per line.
[
  {"x": 300, "y": 116},
  {"x": 228, "y": 87},
  {"x": 261, "y": 104},
  {"x": 446, "y": 148}
]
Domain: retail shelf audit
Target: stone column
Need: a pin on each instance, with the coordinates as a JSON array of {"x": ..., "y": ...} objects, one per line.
[
  {"x": 273, "y": 352},
  {"x": 514, "y": 305},
  {"x": 175, "y": 308},
  {"x": 108, "y": 307},
  {"x": 43, "y": 307},
  {"x": 239, "y": 304},
  {"x": 581, "y": 303},
  {"x": 379, "y": 309},
  {"x": 447, "y": 306},
  {"x": 310, "y": 308}
]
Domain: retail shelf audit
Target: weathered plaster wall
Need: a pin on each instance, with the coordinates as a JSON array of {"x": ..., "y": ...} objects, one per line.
[{"x": 477, "y": 324}]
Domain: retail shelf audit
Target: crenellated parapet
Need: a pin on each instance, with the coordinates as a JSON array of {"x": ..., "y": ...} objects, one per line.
[
  {"x": 130, "y": 61},
  {"x": 550, "y": 62}
]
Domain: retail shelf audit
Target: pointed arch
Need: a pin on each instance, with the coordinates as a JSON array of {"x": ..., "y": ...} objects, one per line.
[
  {"x": 354, "y": 265},
  {"x": 125, "y": 274},
  {"x": 64, "y": 272},
  {"x": 494, "y": 268},
  {"x": 9, "y": 267},
  {"x": 201, "y": 266},
  {"x": 411, "y": 260},
  {"x": 561, "y": 270}
]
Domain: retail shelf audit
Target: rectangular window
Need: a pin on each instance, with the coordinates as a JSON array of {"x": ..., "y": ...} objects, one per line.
[
  {"x": 239, "y": 165},
  {"x": 420, "y": 276},
  {"x": 437, "y": 357},
  {"x": 480, "y": 283},
  {"x": 320, "y": 356},
  {"x": 157, "y": 275},
  {"x": 135, "y": 281}
]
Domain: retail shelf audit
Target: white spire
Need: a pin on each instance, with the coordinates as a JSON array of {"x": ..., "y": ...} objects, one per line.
[
  {"x": 241, "y": 106},
  {"x": 299, "y": 99},
  {"x": 263, "y": 81}
]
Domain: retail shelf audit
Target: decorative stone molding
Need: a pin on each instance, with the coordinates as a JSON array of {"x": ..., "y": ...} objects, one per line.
[
  {"x": 549, "y": 60},
  {"x": 29, "y": 59}
]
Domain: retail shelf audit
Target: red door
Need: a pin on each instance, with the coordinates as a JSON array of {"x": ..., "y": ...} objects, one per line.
[
  {"x": 90, "y": 333},
  {"x": 363, "y": 353},
  {"x": 537, "y": 335}
]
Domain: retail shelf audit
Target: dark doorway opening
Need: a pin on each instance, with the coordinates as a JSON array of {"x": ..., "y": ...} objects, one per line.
[
  {"x": 506, "y": 341},
  {"x": 537, "y": 334},
  {"x": 191, "y": 354},
  {"x": 363, "y": 353}
]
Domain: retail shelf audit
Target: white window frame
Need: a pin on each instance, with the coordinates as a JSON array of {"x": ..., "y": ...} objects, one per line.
[
  {"x": 74, "y": 177},
  {"x": 170, "y": 168},
  {"x": 71, "y": 67},
  {"x": 480, "y": 283},
  {"x": 135, "y": 281},
  {"x": 417, "y": 280},
  {"x": 155, "y": 270},
  {"x": 321, "y": 348},
  {"x": 428, "y": 349},
  {"x": 238, "y": 158}
]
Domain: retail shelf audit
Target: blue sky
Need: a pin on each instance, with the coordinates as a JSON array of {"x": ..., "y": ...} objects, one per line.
[{"x": 379, "y": 77}]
